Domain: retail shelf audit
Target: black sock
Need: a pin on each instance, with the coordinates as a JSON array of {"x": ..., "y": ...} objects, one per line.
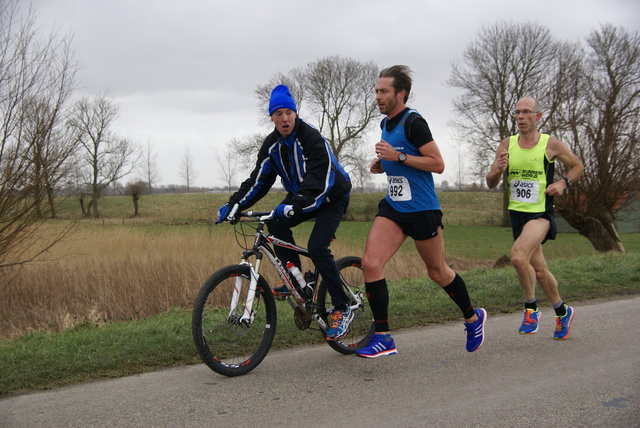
[
  {"x": 531, "y": 305},
  {"x": 561, "y": 310},
  {"x": 378, "y": 296},
  {"x": 457, "y": 290}
]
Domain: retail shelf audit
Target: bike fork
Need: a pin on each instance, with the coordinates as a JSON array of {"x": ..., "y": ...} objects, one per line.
[{"x": 248, "y": 314}]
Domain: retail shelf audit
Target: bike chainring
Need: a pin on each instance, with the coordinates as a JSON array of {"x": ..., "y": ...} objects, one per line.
[{"x": 301, "y": 318}]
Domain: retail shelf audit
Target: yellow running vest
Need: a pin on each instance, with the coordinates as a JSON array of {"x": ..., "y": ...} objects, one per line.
[{"x": 530, "y": 172}]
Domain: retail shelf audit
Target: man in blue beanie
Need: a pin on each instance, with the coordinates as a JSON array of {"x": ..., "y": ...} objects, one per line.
[{"x": 318, "y": 187}]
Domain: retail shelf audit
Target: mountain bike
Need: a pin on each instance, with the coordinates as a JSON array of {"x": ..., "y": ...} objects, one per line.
[{"x": 234, "y": 314}]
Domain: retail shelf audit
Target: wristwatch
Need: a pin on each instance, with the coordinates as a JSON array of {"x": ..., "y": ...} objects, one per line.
[
  {"x": 568, "y": 180},
  {"x": 402, "y": 157}
]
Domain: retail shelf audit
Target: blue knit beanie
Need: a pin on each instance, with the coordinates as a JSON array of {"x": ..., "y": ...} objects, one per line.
[{"x": 281, "y": 98}]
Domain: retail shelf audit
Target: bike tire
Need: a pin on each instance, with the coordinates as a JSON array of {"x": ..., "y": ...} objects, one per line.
[
  {"x": 228, "y": 347},
  {"x": 362, "y": 328}
]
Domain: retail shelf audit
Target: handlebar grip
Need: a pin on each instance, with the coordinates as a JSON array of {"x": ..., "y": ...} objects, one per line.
[{"x": 255, "y": 213}]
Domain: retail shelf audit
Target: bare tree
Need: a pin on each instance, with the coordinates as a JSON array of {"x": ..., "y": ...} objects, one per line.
[
  {"x": 462, "y": 159},
  {"x": 338, "y": 92},
  {"x": 187, "y": 169},
  {"x": 245, "y": 149},
  {"x": 360, "y": 173},
  {"x": 601, "y": 122},
  {"x": 106, "y": 156},
  {"x": 51, "y": 152},
  {"x": 36, "y": 77},
  {"x": 136, "y": 189},
  {"x": 505, "y": 63},
  {"x": 149, "y": 165},
  {"x": 228, "y": 164}
]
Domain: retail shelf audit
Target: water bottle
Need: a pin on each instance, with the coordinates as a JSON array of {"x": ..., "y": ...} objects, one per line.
[{"x": 295, "y": 271}]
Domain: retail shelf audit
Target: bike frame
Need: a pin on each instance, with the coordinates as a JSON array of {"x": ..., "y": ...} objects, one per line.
[
  {"x": 261, "y": 247},
  {"x": 262, "y": 244}
]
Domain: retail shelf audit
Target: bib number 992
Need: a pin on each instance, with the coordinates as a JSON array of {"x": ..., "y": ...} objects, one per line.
[
  {"x": 398, "y": 188},
  {"x": 395, "y": 191}
]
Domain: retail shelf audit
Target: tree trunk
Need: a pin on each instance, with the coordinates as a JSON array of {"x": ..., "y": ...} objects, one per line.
[
  {"x": 94, "y": 208},
  {"x": 51, "y": 203},
  {"x": 81, "y": 200},
  {"x": 135, "y": 205},
  {"x": 601, "y": 233},
  {"x": 95, "y": 194}
]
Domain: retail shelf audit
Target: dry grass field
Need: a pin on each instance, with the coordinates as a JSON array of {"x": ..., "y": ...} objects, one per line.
[
  {"x": 106, "y": 272},
  {"x": 103, "y": 273}
]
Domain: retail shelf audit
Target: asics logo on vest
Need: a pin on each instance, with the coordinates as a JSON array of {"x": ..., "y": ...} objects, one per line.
[{"x": 522, "y": 184}]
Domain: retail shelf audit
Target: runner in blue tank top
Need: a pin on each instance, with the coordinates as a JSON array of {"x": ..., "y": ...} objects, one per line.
[{"x": 409, "y": 156}]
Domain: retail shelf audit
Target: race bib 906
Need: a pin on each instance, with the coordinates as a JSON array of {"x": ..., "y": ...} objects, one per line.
[
  {"x": 399, "y": 188},
  {"x": 525, "y": 191}
]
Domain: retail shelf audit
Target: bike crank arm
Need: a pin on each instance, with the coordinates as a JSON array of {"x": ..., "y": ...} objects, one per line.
[{"x": 323, "y": 325}]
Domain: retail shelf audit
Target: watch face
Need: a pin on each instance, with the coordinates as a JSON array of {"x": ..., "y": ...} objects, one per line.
[{"x": 402, "y": 157}]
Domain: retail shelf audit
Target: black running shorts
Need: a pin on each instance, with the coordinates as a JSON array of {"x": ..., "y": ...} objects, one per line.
[
  {"x": 519, "y": 219},
  {"x": 419, "y": 225}
]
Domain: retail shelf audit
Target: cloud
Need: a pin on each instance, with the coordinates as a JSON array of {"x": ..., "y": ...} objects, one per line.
[{"x": 185, "y": 72}]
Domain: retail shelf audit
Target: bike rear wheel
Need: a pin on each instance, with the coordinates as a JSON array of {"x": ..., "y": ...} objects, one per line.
[
  {"x": 230, "y": 347},
  {"x": 362, "y": 327}
]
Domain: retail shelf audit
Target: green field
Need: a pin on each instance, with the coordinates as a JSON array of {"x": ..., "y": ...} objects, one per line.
[
  {"x": 470, "y": 208},
  {"x": 463, "y": 213}
]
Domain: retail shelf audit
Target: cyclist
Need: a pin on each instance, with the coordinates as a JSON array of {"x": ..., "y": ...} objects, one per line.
[
  {"x": 317, "y": 187},
  {"x": 409, "y": 156}
]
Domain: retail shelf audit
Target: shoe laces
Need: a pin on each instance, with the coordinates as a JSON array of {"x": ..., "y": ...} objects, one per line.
[
  {"x": 472, "y": 329},
  {"x": 558, "y": 323},
  {"x": 527, "y": 317},
  {"x": 337, "y": 318}
]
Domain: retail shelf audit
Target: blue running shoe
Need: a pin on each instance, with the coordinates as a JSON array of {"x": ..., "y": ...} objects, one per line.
[
  {"x": 280, "y": 291},
  {"x": 475, "y": 330},
  {"x": 530, "y": 322},
  {"x": 563, "y": 324},
  {"x": 340, "y": 322},
  {"x": 379, "y": 345}
]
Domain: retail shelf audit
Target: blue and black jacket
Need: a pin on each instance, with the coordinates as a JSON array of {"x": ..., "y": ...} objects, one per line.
[{"x": 307, "y": 167}]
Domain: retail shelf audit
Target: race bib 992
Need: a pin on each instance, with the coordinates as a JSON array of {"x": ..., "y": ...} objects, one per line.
[{"x": 399, "y": 188}]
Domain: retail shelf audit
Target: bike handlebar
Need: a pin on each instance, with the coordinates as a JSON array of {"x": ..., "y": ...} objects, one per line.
[{"x": 257, "y": 215}]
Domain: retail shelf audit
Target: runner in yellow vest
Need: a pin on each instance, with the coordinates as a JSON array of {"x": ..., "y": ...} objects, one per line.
[{"x": 530, "y": 158}]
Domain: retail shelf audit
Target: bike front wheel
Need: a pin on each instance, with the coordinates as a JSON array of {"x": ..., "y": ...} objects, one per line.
[
  {"x": 362, "y": 327},
  {"x": 227, "y": 344}
]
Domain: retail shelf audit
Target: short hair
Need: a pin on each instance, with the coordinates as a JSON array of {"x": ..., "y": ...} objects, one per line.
[
  {"x": 536, "y": 105},
  {"x": 401, "y": 75}
]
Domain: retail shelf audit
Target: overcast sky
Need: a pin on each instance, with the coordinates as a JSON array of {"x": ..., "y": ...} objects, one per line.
[{"x": 184, "y": 72}]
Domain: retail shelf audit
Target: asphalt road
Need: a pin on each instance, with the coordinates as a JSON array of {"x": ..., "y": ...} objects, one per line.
[{"x": 589, "y": 380}]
